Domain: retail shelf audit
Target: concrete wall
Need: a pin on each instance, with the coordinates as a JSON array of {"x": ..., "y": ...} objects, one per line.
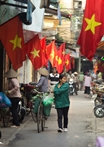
[{"x": 25, "y": 72}]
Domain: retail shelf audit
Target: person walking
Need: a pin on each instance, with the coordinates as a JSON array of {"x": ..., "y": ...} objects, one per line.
[
  {"x": 62, "y": 102},
  {"x": 81, "y": 79},
  {"x": 87, "y": 84},
  {"x": 76, "y": 83},
  {"x": 53, "y": 78},
  {"x": 14, "y": 95}
]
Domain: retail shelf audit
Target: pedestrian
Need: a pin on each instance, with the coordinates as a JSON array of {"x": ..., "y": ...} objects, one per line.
[
  {"x": 53, "y": 78},
  {"x": 43, "y": 81},
  {"x": 76, "y": 83},
  {"x": 81, "y": 79},
  {"x": 87, "y": 84},
  {"x": 14, "y": 95},
  {"x": 100, "y": 141},
  {"x": 62, "y": 102},
  {"x": 70, "y": 76}
]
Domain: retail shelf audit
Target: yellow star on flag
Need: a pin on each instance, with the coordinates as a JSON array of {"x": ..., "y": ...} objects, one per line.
[
  {"x": 67, "y": 62},
  {"x": 63, "y": 52},
  {"x": 35, "y": 53},
  {"x": 16, "y": 42},
  {"x": 92, "y": 24},
  {"x": 56, "y": 58},
  {"x": 52, "y": 54},
  {"x": 59, "y": 61}
]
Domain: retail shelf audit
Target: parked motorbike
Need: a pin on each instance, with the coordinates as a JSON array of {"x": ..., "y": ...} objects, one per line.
[
  {"x": 71, "y": 87},
  {"x": 21, "y": 110},
  {"x": 99, "y": 109}
]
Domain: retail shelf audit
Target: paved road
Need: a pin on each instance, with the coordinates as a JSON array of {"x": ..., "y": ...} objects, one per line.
[{"x": 81, "y": 128}]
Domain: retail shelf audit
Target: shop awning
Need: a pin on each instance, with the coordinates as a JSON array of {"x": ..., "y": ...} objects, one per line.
[{"x": 100, "y": 49}]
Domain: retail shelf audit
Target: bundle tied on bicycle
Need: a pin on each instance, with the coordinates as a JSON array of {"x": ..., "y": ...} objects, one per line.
[{"x": 47, "y": 101}]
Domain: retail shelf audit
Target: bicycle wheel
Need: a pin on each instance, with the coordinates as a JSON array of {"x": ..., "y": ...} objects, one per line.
[
  {"x": 34, "y": 116},
  {"x": 43, "y": 123},
  {"x": 6, "y": 117},
  {"x": 39, "y": 118},
  {"x": 99, "y": 111}
]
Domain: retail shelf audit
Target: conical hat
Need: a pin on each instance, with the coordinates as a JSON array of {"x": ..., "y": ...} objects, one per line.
[
  {"x": 43, "y": 71},
  {"x": 75, "y": 73},
  {"x": 11, "y": 74}
]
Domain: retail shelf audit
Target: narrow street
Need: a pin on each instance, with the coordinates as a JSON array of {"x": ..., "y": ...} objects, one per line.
[{"x": 81, "y": 128}]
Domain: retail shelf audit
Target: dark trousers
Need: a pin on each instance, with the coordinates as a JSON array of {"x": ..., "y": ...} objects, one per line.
[
  {"x": 15, "y": 102},
  {"x": 87, "y": 90},
  {"x": 81, "y": 85},
  {"x": 76, "y": 87},
  {"x": 62, "y": 113}
]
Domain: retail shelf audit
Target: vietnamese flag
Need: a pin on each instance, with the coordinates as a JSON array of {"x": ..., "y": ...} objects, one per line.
[
  {"x": 11, "y": 36},
  {"x": 92, "y": 28},
  {"x": 67, "y": 62},
  {"x": 44, "y": 55},
  {"x": 51, "y": 51},
  {"x": 60, "y": 58},
  {"x": 34, "y": 51}
]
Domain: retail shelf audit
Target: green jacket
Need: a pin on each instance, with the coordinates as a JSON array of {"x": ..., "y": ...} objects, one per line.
[{"x": 62, "y": 96}]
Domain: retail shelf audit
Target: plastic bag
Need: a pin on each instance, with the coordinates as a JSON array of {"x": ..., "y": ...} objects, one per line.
[
  {"x": 4, "y": 101},
  {"x": 47, "y": 101}
]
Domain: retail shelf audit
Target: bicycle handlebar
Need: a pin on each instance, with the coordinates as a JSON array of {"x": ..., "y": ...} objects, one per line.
[{"x": 38, "y": 92}]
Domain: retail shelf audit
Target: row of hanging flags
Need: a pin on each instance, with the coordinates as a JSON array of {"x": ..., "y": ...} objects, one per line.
[
  {"x": 11, "y": 36},
  {"x": 92, "y": 28}
]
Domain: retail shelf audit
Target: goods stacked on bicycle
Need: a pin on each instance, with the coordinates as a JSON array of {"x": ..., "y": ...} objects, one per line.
[{"x": 41, "y": 108}]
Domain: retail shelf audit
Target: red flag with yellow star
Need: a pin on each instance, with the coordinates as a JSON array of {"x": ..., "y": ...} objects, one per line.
[
  {"x": 92, "y": 28},
  {"x": 11, "y": 35},
  {"x": 60, "y": 58},
  {"x": 51, "y": 51},
  {"x": 67, "y": 62},
  {"x": 44, "y": 55},
  {"x": 34, "y": 51}
]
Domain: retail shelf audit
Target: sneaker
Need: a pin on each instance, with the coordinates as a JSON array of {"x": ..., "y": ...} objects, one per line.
[
  {"x": 60, "y": 130},
  {"x": 65, "y": 130},
  {"x": 53, "y": 106},
  {"x": 1, "y": 143},
  {"x": 14, "y": 126}
]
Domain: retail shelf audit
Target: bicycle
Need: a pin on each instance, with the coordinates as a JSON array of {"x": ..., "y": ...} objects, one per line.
[
  {"x": 39, "y": 116},
  {"x": 5, "y": 116}
]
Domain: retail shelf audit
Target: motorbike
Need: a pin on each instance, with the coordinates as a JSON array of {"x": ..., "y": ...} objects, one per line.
[
  {"x": 96, "y": 93},
  {"x": 71, "y": 87},
  {"x": 21, "y": 110},
  {"x": 99, "y": 109}
]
